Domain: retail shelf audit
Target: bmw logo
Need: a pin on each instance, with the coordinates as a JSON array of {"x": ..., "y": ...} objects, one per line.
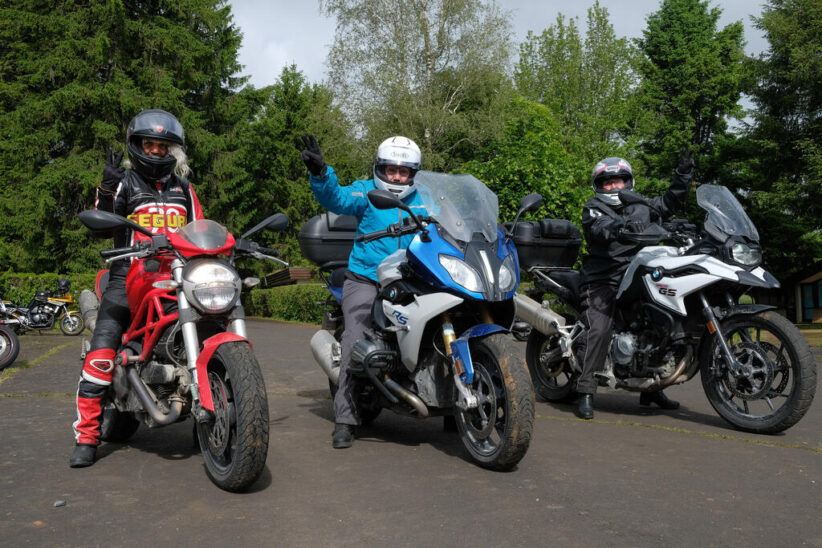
[
  {"x": 656, "y": 275},
  {"x": 392, "y": 293}
]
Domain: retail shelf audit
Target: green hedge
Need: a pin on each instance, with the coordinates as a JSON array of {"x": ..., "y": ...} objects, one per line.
[
  {"x": 20, "y": 287},
  {"x": 296, "y": 303}
]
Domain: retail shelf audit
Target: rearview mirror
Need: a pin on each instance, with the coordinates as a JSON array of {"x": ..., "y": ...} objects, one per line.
[{"x": 98, "y": 220}]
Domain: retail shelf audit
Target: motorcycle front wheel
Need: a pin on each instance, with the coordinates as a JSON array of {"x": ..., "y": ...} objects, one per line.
[
  {"x": 551, "y": 373},
  {"x": 235, "y": 443},
  {"x": 498, "y": 431},
  {"x": 72, "y": 324},
  {"x": 9, "y": 346},
  {"x": 778, "y": 379}
]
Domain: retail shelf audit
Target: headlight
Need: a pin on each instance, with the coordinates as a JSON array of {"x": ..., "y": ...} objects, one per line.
[
  {"x": 507, "y": 275},
  {"x": 746, "y": 255},
  {"x": 211, "y": 286},
  {"x": 461, "y": 273}
]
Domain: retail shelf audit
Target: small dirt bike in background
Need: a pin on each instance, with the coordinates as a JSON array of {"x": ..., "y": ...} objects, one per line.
[
  {"x": 438, "y": 343},
  {"x": 186, "y": 351},
  {"x": 678, "y": 312},
  {"x": 44, "y": 309}
]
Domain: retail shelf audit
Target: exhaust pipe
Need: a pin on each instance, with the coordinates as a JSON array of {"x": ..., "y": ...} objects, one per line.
[
  {"x": 322, "y": 346},
  {"x": 413, "y": 400},
  {"x": 544, "y": 320},
  {"x": 150, "y": 406},
  {"x": 88, "y": 308}
]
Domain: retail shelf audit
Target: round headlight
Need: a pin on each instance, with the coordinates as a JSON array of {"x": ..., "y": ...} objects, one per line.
[{"x": 211, "y": 286}]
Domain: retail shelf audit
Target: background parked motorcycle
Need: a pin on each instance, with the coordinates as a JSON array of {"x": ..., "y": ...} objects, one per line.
[
  {"x": 9, "y": 346},
  {"x": 44, "y": 309}
]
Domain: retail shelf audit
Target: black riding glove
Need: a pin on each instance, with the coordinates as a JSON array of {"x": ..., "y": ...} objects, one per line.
[
  {"x": 312, "y": 156},
  {"x": 113, "y": 173},
  {"x": 636, "y": 226},
  {"x": 686, "y": 163}
]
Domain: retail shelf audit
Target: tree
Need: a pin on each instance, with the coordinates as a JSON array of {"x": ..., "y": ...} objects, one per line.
[
  {"x": 692, "y": 79},
  {"x": 433, "y": 70},
  {"x": 587, "y": 83},
  {"x": 777, "y": 164},
  {"x": 265, "y": 175},
  {"x": 72, "y": 74},
  {"x": 529, "y": 157}
]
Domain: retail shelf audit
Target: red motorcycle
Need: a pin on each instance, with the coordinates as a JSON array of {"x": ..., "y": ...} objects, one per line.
[{"x": 186, "y": 352}]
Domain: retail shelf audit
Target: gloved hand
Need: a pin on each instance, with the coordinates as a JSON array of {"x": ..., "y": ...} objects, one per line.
[
  {"x": 686, "y": 163},
  {"x": 636, "y": 226},
  {"x": 312, "y": 156},
  {"x": 113, "y": 173}
]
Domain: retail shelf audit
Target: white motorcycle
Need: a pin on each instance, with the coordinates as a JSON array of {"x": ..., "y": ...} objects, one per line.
[{"x": 679, "y": 311}]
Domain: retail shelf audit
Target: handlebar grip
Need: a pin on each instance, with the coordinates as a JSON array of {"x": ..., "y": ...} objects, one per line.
[
  {"x": 106, "y": 253},
  {"x": 268, "y": 251}
]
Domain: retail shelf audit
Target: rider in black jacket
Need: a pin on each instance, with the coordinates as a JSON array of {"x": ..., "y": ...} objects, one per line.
[
  {"x": 155, "y": 194},
  {"x": 603, "y": 218}
]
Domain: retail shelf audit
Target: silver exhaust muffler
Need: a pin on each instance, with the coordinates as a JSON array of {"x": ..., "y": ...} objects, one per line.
[
  {"x": 544, "y": 320},
  {"x": 88, "y": 308},
  {"x": 326, "y": 352}
]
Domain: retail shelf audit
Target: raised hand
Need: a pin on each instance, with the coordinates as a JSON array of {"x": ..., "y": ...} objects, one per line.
[{"x": 312, "y": 156}]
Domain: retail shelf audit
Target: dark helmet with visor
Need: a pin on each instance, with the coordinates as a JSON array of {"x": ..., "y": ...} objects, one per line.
[
  {"x": 155, "y": 124},
  {"x": 611, "y": 168}
]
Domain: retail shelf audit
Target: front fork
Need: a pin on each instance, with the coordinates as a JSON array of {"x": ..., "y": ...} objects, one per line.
[
  {"x": 736, "y": 368},
  {"x": 459, "y": 354}
]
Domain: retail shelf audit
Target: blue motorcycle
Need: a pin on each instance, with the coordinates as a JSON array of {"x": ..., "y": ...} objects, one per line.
[{"x": 439, "y": 344}]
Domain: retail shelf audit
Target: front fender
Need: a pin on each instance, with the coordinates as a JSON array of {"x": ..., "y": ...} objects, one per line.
[
  {"x": 461, "y": 352},
  {"x": 209, "y": 347},
  {"x": 740, "y": 309}
]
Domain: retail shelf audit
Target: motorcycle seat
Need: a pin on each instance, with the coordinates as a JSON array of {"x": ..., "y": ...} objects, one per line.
[{"x": 570, "y": 280}]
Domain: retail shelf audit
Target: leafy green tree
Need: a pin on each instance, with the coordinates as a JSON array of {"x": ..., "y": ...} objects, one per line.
[
  {"x": 777, "y": 164},
  {"x": 265, "y": 175},
  {"x": 587, "y": 83},
  {"x": 433, "y": 70},
  {"x": 692, "y": 79},
  {"x": 529, "y": 157},
  {"x": 72, "y": 74}
]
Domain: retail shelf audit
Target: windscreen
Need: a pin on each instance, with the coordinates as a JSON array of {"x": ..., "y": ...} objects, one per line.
[
  {"x": 204, "y": 234},
  {"x": 726, "y": 217},
  {"x": 461, "y": 204}
]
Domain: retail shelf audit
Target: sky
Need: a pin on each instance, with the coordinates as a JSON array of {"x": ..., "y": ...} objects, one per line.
[{"x": 277, "y": 33}]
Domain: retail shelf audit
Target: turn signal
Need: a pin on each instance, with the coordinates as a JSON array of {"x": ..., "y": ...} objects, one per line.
[{"x": 166, "y": 284}]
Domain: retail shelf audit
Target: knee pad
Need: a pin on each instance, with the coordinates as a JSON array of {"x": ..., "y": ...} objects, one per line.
[{"x": 99, "y": 366}]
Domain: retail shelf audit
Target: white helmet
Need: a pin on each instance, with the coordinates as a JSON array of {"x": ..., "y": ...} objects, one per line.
[{"x": 397, "y": 151}]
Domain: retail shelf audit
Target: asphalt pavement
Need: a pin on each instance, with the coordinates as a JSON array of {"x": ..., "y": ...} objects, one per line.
[{"x": 630, "y": 477}]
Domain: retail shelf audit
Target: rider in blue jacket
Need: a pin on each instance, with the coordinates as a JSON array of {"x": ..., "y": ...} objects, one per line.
[{"x": 397, "y": 161}]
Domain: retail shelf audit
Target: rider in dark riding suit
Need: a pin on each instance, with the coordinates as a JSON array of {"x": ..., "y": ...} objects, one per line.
[
  {"x": 155, "y": 194},
  {"x": 603, "y": 217}
]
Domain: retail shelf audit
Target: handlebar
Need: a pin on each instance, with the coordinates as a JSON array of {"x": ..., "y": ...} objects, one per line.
[{"x": 395, "y": 230}]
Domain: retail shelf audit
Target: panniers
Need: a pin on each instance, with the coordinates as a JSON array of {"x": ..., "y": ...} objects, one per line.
[{"x": 547, "y": 242}]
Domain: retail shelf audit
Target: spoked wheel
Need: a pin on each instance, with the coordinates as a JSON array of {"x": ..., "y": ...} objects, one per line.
[
  {"x": 551, "y": 373},
  {"x": 9, "y": 346},
  {"x": 72, "y": 324},
  {"x": 235, "y": 443},
  {"x": 498, "y": 431},
  {"x": 777, "y": 378}
]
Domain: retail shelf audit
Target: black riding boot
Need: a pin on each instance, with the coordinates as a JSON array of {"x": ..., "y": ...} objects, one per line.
[
  {"x": 659, "y": 398},
  {"x": 586, "y": 406}
]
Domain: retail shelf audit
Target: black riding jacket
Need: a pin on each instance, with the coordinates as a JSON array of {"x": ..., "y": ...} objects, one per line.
[{"x": 607, "y": 257}]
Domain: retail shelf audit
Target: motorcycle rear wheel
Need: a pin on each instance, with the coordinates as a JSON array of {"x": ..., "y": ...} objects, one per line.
[
  {"x": 781, "y": 382},
  {"x": 9, "y": 346},
  {"x": 117, "y": 426},
  {"x": 235, "y": 443},
  {"x": 498, "y": 432},
  {"x": 72, "y": 324},
  {"x": 551, "y": 374}
]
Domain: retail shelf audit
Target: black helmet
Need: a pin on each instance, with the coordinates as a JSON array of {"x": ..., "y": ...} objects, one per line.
[
  {"x": 157, "y": 124},
  {"x": 63, "y": 285},
  {"x": 611, "y": 168}
]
